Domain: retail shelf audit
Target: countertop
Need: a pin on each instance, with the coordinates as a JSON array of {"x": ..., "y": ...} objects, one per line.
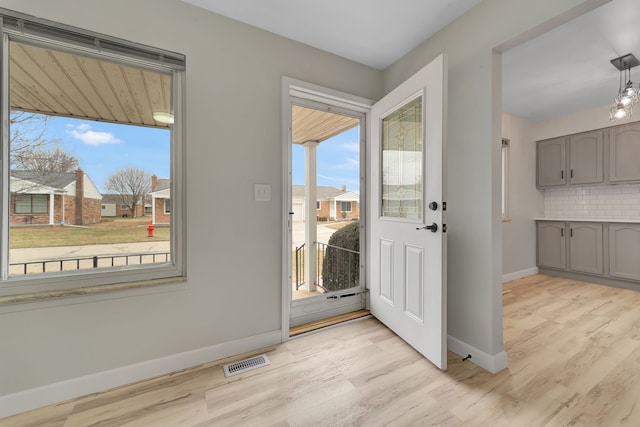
[{"x": 611, "y": 220}]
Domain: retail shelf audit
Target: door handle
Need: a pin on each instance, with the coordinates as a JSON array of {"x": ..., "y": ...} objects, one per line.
[{"x": 433, "y": 227}]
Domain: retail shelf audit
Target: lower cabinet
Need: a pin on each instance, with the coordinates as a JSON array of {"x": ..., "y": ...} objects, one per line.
[
  {"x": 610, "y": 251},
  {"x": 624, "y": 251},
  {"x": 585, "y": 248},
  {"x": 552, "y": 248}
]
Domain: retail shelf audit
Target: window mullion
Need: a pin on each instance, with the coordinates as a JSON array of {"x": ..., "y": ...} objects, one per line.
[{"x": 5, "y": 195}]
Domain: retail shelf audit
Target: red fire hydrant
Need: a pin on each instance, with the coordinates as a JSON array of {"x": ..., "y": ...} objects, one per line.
[{"x": 150, "y": 229}]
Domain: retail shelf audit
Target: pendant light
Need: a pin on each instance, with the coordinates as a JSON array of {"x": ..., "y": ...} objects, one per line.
[{"x": 628, "y": 95}]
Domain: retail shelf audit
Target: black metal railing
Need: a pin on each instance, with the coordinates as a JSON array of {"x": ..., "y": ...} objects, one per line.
[
  {"x": 338, "y": 268},
  {"x": 81, "y": 263},
  {"x": 299, "y": 261}
]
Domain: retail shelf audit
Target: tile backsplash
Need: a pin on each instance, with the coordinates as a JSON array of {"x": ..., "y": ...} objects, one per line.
[{"x": 604, "y": 202}]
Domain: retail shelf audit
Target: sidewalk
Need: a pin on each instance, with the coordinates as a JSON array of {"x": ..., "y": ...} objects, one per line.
[{"x": 35, "y": 254}]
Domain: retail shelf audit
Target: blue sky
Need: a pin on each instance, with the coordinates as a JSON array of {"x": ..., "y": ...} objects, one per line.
[
  {"x": 103, "y": 148},
  {"x": 337, "y": 161}
]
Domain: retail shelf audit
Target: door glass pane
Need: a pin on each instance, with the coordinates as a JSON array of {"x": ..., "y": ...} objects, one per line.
[{"x": 402, "y": 162}]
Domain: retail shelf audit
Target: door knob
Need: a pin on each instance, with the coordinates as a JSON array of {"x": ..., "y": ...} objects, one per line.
[
  {"x": 433, "y": 206},
  {"x": 433, "y": 227}
]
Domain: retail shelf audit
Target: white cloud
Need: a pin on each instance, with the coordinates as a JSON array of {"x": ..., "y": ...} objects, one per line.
[{"x": 84, "y": 133}]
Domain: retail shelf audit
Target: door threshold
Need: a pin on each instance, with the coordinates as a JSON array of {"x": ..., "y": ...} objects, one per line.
[{"x": 330, "y": 321}]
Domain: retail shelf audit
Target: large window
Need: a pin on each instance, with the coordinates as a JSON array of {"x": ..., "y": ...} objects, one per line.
[
  {"x": 91, "y": 118},
  {"x": 31, "y": 203},
  {"x": 346, "y": 207}
]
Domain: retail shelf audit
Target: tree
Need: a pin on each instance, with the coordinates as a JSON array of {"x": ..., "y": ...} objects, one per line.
[
  {"x": 42, "y": 160},
  {"x": 131, "y": 184},
  {"x": 27, "y": 134},
  {"x": 32, "y": 151}
]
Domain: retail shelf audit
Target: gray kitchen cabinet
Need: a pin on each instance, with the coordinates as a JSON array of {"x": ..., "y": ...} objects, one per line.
[
  {"x": 624, "y": 153},
  {"x": 624, "y": 251},
  {"x": 551, "y": 165},
  {"x": 586, "y": 153},
  {"x": 552, "y": 245},
  {"x": 585, "y": 247}
]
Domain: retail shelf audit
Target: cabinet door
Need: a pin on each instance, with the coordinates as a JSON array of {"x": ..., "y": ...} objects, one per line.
[
  {"x": 551, "y": 162},
  {"x": 624, "y": 153},
  {"x": 586, "y": 158},
  {"x": 585, "y": 247},
  {"x": 624, "y": 250},
  {"x": 551, "y": 244}
]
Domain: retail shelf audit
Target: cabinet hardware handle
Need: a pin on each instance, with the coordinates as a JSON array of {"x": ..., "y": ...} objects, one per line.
[
  {"x": 572, "y": 232},
  {"x": 561, "y": 174},
  {"x": 571, "y": 173},
  {"x": 562, "y": 232}
]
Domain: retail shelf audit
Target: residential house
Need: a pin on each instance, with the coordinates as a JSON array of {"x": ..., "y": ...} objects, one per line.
[
  {"x": 231, "y": 299},
  {"x": 332, "y": 204},
  {"x": 112, "y": 206},
  {"x": 160, "y": 200},
  {"x": 54, "y": 198}
]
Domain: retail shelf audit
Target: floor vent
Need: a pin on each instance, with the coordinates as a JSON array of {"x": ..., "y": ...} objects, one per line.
[{"x": 245, "y": 365}]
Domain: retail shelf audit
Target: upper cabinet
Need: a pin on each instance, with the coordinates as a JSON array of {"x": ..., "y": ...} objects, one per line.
[
  {"x": 624, "y": 153},
  {"x": 586, "y": 158},
  {"x": 571, "y": 160},
  {"x": 551, "y": 162}
]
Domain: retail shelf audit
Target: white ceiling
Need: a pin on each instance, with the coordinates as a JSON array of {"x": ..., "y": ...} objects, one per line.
[
  {"x": 373, "y": 32},
  {"x": 560, "y": 72},
  {"x": 567, "y": 69}
]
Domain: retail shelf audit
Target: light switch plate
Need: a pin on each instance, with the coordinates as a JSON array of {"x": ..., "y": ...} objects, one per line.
[{"x": 262, "y": 192}]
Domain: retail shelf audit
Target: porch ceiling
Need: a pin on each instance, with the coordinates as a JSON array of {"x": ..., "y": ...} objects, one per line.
[
  {"x": 315, "y": 125},
  {"x": 62, "y": 84}
]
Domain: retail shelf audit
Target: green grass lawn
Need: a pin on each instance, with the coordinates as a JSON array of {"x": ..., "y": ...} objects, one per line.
[
  {"x": 120, "y": 230},
  {"x": 336, "y": 225}
]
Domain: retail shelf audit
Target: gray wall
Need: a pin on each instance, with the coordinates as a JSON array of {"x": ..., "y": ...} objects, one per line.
[
  {"x": 474, "y": 134},
  {"x": 233, "y": 141},
  {"x": 234, "y": 77},
  {"x": 525, "y": 200}
]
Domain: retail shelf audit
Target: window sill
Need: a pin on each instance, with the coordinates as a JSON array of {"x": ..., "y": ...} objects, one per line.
[{"x": 42, "y": 296}]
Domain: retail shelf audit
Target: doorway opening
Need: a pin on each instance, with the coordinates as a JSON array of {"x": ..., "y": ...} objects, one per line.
[{"x": 326, "y": 217}]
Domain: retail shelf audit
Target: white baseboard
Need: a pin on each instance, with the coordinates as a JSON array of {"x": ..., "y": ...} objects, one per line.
[
  {"x": 26, "y": 400},
  {"x": 492, "y": 363},
  {"x": 519, "y": 274}
]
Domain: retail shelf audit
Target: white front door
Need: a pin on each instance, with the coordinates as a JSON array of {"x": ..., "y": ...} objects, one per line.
[{"x": 407, "y": 271}]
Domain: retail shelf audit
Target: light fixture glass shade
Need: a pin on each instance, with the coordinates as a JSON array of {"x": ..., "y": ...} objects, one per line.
[
  {"x": 162, "y": 117},
  {"x": 629, "y": 95},
  {"x": 620, "y": 111}
]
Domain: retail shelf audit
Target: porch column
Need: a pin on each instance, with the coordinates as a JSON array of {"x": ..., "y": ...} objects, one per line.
[
  {"x": 153, "y": 209},
  {"x": 310, "y": 220},
  {"x": 52, "y": 205}
]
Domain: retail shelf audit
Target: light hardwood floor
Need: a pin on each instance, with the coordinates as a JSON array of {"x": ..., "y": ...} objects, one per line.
[{"x": 574, "y": 360}]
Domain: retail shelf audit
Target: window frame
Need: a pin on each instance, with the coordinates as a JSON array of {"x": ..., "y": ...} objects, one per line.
[
  {"x": 21, "y": 28},
  {"x": 30, "y": 196},
  {"x": 342, "y": 209},
  {"x": 504, "y": 162},
  {"x": 318, "y": 205},
  {"x": 165, "y": 210}
]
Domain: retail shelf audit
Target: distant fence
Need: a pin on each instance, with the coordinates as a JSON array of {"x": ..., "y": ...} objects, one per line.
[{"x": 85, "y": 263}]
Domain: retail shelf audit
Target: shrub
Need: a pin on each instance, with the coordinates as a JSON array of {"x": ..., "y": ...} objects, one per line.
[{"x": 341, "y": 269}]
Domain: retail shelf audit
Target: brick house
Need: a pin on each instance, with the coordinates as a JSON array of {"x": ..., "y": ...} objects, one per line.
[
  {"x": 54, "y": 198},
  {"x": 160, "y": 200},
  {"x": 112, "y": 206},
  {"x": 332, "y": 204}
]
